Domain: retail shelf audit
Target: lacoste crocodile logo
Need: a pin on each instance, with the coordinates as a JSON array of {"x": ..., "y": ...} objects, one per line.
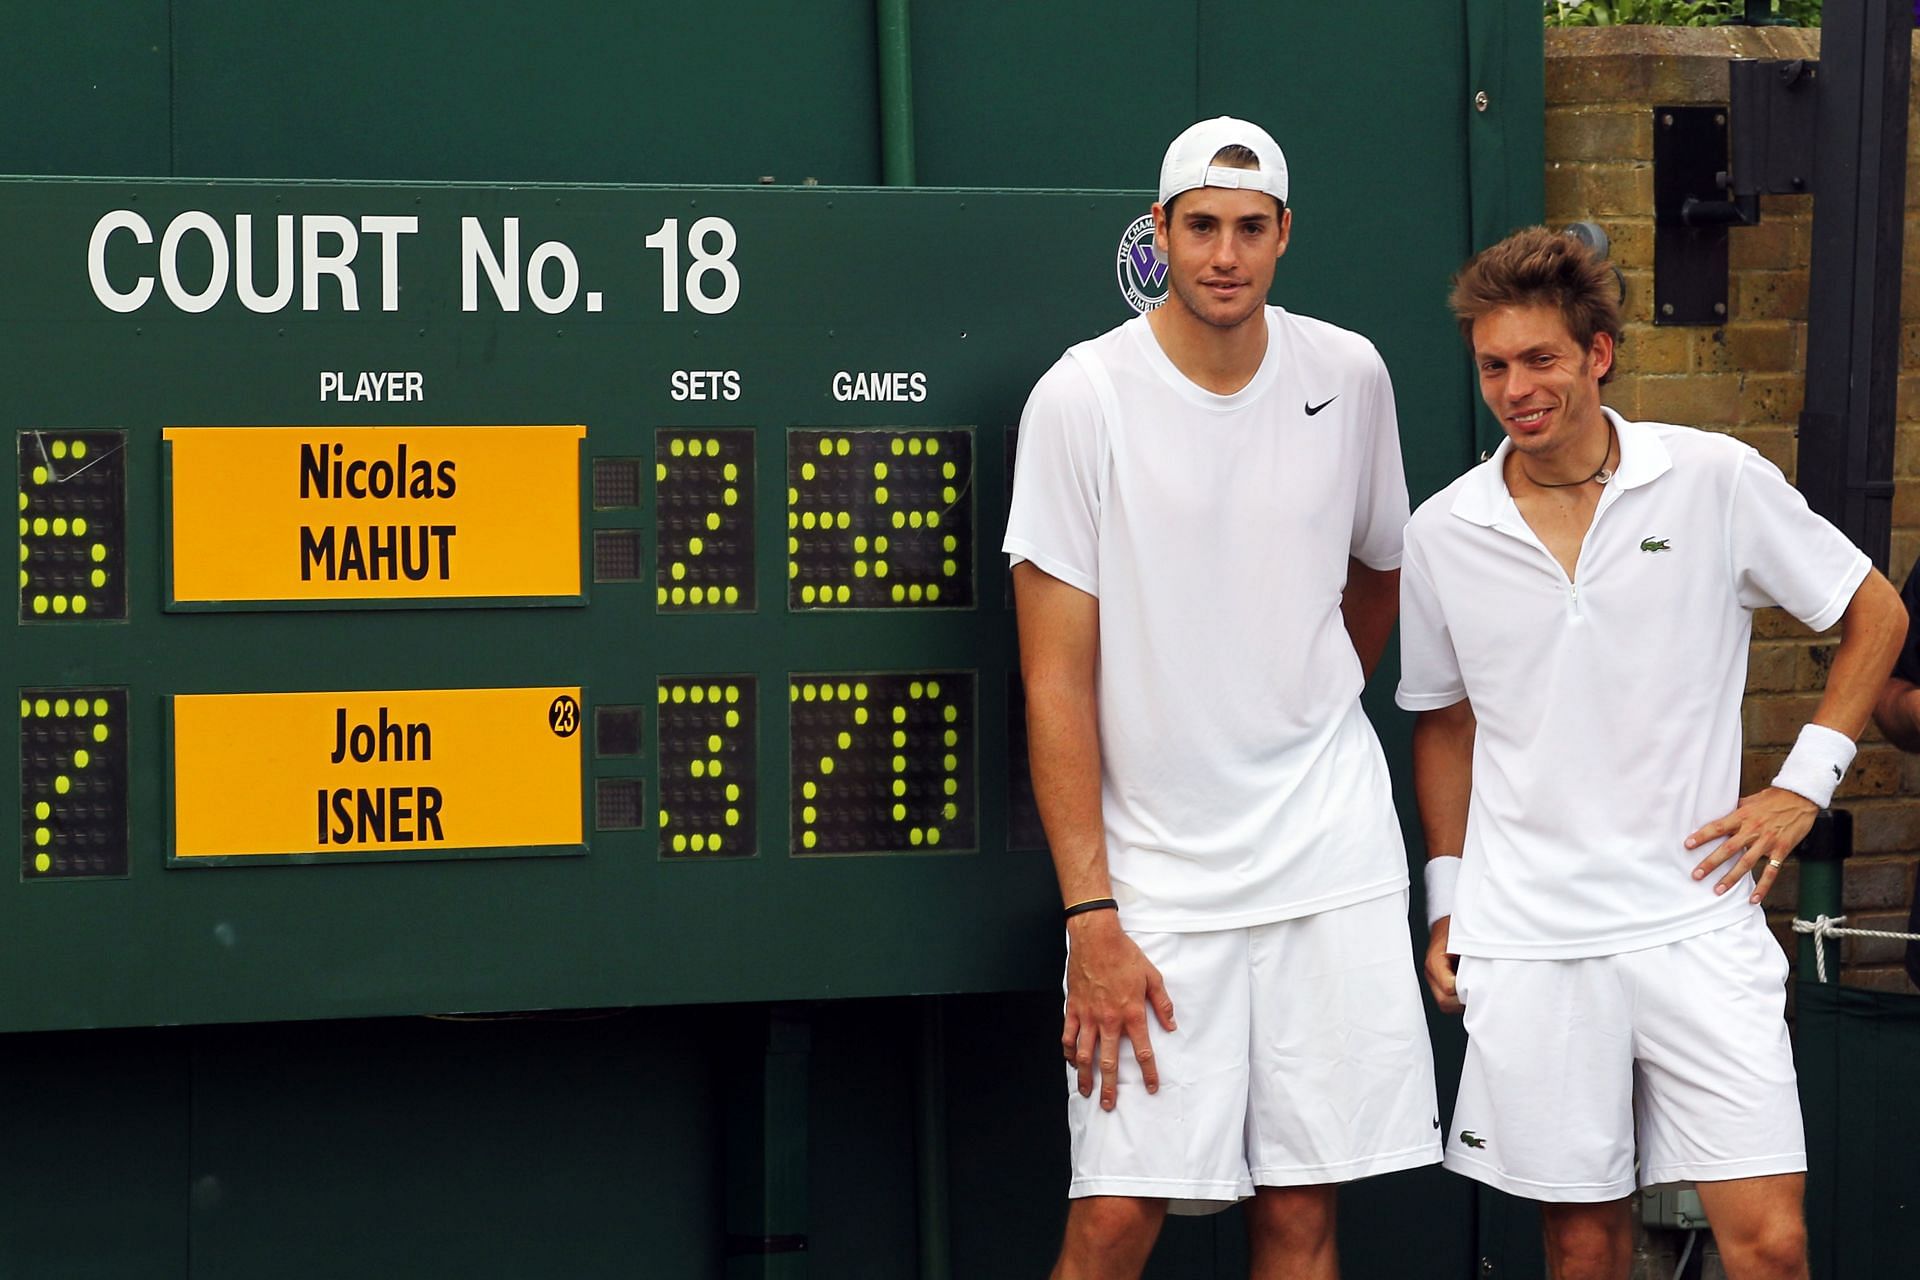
[
  {"x": 1654, "y": 544},
  {"x": 1468, "y": 1138}
]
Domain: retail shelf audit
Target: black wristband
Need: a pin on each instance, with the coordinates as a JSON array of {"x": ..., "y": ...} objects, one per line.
[{"x": 1091, "y": 904}]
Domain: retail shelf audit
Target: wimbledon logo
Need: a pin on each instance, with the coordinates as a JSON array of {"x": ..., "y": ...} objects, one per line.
[{"x": 1143, "y": 279}]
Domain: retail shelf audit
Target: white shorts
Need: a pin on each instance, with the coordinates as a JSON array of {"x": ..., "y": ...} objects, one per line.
[
  {"x": 1685, "y": 1043},
  {"x": 1302, "y": 1058}
]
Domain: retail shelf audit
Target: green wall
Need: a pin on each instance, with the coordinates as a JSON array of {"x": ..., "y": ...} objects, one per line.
[
  {"x": 1374, "y": 107},
  {"x": 403, "y": 1147}
]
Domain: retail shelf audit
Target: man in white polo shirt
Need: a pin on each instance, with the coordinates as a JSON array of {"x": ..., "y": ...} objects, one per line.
[
  {"x": 1575, "y": 619},
  {"x": 1204, "y": 531}
]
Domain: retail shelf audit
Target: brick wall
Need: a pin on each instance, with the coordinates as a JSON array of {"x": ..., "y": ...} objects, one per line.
[{"x": 1744, "y": 377}]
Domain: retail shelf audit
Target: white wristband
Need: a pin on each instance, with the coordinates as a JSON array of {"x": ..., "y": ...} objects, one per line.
[
  {"x": 1816, "y": 764},
  {"x": 1441, "y": 874}
]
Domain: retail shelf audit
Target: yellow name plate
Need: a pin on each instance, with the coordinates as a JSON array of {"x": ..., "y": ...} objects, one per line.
[
  {"x": 410, "y": 774},
  {"x": 293, "y": 515}
]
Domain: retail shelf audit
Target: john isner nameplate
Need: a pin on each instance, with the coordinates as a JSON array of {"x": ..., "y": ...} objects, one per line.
[
  {"x": 289, "y": 516},
  {"x": 407, "y": 774}
]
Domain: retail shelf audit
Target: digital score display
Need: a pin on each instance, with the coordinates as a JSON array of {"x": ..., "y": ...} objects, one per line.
[
  {"x": 72, "y": 526},
  {"x": 73, "y": 783},
  {"x": 703, "y": 520},
  {"x": 882, "y": 762},
  {"x": 708, "y": 733},
  {"x": 880, "y": 519}
]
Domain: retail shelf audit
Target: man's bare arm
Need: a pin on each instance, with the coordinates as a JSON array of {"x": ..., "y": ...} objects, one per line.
[
  {"x": 1443, "y": 785},
  {"x": 1109, "y": 982},
  {"x": 1369, "y": 606},
  {"x": 1897, "y": 712},
  {"x": 1770, "y": 823}
]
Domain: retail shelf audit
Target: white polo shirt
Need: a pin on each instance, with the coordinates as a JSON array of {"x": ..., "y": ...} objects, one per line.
[
  {"x": 1240, "y": 781},
  {"x": 1608, "y": 707}
]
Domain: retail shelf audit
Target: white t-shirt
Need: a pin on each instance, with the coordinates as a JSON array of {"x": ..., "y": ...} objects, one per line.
[
  {"x": 1608, "y": 708},
  {"x": 1241, "y": 782}
]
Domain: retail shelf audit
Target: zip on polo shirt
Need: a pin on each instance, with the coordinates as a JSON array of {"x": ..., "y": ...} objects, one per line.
[{"x": 1525, "y": 533}]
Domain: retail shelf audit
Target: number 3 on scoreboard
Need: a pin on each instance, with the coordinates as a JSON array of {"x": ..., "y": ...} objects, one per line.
[{"x": 718, "y": 262}]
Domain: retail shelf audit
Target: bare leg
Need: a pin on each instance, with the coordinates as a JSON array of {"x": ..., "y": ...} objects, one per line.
[
  {"x": 1290, "y": 1234},
  {"x": 1109, "y": 1237},
  {"x": 1588, "y": 1241},
  {"x": 1760, "y": 1225}
]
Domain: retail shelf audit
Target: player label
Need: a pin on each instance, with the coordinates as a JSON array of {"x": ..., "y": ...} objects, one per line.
[
  {"x": 305, "y": 515},
  {"x": 413, "y": 774}
]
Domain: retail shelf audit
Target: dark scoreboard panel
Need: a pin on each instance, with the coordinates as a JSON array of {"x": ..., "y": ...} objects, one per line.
[
  {"x": 880, "y": 519},
  {"x": 703, "y": 519},
  {"x": 882, "y": 761},
  {"x": 486, "y": 598}
]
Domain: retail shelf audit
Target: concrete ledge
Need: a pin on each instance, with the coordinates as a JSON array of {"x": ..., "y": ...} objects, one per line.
[{"x": 1660, "y": 64}]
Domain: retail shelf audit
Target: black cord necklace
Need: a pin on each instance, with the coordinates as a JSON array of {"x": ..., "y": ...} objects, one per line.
[{"x": 1601, "y": 474}]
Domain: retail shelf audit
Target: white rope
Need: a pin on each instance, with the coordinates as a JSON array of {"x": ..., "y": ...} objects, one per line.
[{"x": 1824, "y": 927}]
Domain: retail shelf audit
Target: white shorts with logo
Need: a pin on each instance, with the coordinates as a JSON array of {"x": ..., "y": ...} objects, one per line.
[
  {"x": 1685, "y": 1044},
  {"x": 1301, "y": 1058}
]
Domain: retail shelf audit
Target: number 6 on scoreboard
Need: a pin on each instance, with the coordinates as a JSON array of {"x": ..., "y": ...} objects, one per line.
[{"x": 720, "y": 263}]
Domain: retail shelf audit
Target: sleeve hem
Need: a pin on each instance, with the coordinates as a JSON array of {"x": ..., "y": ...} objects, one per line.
[
  {"x": 1018, "y": 550},
  {"x": 1842, "y": 597},
  {"x": 1383, "y": 563},
  {"x": 1427, "y": 701}
]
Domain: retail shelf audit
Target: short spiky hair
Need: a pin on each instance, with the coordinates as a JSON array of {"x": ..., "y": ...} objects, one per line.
[{"x": 1538, "y": 267}]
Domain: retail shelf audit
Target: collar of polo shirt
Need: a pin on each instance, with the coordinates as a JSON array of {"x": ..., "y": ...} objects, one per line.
[{"x": 1484, "y": 499}]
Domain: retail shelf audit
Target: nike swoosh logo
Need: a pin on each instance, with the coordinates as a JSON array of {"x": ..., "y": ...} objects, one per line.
[{"x": 1315, "y": 408}]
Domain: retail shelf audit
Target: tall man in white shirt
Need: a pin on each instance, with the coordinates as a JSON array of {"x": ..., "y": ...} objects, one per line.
[
  {"x": 1575, "y": 619},
  {"x": 1205, "y": 531}
]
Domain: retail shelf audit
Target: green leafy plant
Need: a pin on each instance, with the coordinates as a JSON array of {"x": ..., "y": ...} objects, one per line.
[{"x": 1670, "y": 13}]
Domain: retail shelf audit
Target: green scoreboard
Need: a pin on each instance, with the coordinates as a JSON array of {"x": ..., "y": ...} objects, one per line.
[{"x": 443, "y": 598}]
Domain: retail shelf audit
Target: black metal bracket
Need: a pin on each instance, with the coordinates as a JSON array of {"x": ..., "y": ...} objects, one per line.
[
  {"x": 1689, "y": 257},
  {"x": 1773, "y": 104},
  {"x": 1708, "y": 177}
]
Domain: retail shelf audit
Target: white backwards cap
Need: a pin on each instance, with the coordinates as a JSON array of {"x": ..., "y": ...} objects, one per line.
[{"x": 1189, "y": 161}]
